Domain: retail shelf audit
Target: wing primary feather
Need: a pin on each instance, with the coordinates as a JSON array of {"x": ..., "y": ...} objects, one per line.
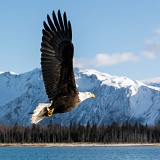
[
  {"x": 56, "y": 21},
  {"x": 70, "y": 30},
  {"x": 51, "y": 24},
  {"x": 46, "y": 27},
  {"x": 65, "y": 21},
  {"x": 46, "y": 33},
  {"x": 60, "y": 20}
]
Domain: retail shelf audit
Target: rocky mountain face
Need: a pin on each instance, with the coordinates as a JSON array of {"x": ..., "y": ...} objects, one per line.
[{"x": 117, "y": 99}]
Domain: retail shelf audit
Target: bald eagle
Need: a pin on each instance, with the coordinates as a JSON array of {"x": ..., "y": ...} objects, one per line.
[{"x": 57, "y": 69}]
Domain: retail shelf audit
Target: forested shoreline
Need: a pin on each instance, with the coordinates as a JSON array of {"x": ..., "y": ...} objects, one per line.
[{"x": 55, "y": 133}]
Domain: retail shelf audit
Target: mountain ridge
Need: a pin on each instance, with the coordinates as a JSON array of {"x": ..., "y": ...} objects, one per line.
[
  {"x": 152, "y": 82},
  {"x": 117, "y": 99}
]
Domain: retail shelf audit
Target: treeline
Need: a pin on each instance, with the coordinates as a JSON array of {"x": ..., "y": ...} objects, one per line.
[{"x": 53, "y": 133}]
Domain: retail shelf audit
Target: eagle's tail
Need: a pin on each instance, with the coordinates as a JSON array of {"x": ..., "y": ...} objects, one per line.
[{"x": 41, "y": 111}]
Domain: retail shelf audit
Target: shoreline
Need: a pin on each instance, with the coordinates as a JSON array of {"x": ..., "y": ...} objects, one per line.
[{"x": 77, "y": 144}]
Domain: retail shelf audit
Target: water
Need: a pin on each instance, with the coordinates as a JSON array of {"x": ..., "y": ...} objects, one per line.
[{"x": 80, "y": 153}]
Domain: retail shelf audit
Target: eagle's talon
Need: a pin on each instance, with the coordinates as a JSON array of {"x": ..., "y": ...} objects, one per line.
[{"x": 50, "y": 112}]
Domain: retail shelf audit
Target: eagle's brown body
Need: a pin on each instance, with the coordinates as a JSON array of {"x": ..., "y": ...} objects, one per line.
[{"x": 65, "y": 103}]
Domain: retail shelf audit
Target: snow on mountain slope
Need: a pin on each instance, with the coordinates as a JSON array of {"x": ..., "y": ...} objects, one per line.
[{"x": 117, "y": 99}]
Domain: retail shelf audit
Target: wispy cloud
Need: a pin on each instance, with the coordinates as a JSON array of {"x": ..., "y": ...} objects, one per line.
[
  {"x": 103, "y": 59},
  {"x": 149, "y": 54},
  {"x": 152, "y": 46},
  {"x": 157, "y": 31},
  {"x": 79, "y": 62}
]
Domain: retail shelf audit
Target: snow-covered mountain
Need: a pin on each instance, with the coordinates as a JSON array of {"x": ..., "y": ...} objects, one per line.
[{"x": 117, "y": 99}]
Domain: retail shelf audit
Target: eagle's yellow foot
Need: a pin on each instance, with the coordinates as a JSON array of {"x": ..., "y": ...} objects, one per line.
[{"x": 50, "y": 112}]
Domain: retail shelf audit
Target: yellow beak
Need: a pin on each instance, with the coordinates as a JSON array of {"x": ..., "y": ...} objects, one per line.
[{"x": 92, "y": 96}]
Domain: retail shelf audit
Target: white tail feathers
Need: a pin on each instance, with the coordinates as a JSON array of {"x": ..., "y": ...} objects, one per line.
[{"x": 40, "y": 112}]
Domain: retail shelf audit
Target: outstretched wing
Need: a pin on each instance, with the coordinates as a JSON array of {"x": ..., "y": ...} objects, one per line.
[{"x": 57, "y": 55}]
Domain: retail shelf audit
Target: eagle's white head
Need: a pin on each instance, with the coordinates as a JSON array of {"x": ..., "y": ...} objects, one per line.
[{"x": 85, "y": 95}]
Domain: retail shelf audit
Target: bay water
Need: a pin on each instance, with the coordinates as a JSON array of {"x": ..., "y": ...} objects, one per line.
[{"x": 81, "y": 153}]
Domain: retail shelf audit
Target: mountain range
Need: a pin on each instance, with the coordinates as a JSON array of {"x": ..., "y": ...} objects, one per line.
[{"x": 118, "y": 99}]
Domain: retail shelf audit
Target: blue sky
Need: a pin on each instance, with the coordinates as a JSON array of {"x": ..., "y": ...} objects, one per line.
[{"x": 118, "y": 37}]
